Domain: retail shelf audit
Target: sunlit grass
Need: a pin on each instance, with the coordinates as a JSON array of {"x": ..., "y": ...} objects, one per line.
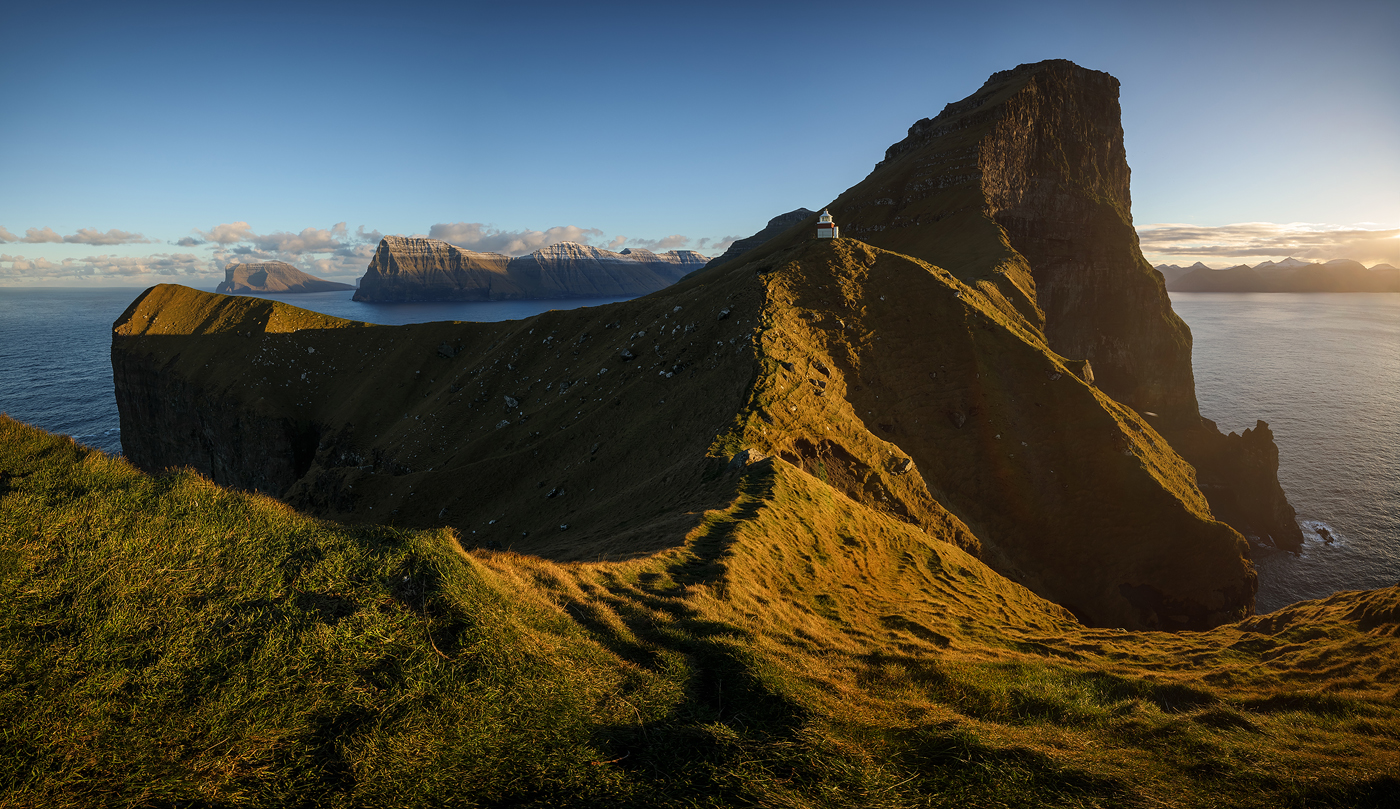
[{"x": 164, "y": 641}]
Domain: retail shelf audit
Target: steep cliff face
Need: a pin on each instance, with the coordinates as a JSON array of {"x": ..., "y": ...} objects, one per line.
[
  {"x": 409, "y": 269},
  {"x": 274, "y": 276},
  {"x": 1022, "y": 189},
  {"x": 177, "y": 419}
]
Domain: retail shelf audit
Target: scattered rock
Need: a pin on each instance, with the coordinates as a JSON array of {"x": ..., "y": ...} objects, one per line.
[
  {"x": 446, "y": 351},
  {"x": 512, "y": 402},
  {"x": 958, "y": 418},
  {"x": 745, "y": 457}
]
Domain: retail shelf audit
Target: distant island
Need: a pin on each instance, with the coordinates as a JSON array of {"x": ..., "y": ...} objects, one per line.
[
  {"x": 273, "y": 276},
  {"x": 417, "y": 269},
  {"x": 1289, "y": 275}
]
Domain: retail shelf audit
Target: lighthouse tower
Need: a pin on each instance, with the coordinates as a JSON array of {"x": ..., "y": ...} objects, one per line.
[{"x": 826, "y": 229}]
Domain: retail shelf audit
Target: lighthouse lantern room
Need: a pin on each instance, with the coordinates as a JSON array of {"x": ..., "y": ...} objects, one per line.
[{"x": 826, "y": 229}]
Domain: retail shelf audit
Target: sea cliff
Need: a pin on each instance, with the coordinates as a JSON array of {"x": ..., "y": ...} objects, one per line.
[{"x": 415, "y": 269}]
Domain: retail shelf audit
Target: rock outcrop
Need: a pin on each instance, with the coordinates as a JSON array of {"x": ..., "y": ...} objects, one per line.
[
  {"x": 776, "y": 226},
  {"x": 273, "y": 276},
  {"x": 413, "y": 269},
  {"x": 958, "y": 396}
]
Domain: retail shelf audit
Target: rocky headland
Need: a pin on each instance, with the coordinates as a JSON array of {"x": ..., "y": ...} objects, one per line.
[
  {"x": 989, "y": 360},
  {"x": 273, "y": 276},
  {"x": 414, "y": 269},
  {"x": 1289, "y": 275}
]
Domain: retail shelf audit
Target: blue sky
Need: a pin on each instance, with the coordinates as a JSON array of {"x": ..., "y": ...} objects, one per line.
[{"x": 257, "y": 129}]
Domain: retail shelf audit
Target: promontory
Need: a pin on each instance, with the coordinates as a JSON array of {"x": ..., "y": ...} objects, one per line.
[{"x": 273, "y": 276}]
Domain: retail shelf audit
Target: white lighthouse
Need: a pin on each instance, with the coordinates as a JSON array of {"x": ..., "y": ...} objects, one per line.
[{"x": 826, "y": 229}]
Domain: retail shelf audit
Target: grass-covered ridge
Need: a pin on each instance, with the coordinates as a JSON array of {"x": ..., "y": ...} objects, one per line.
[{"x": 164, "y": 641}]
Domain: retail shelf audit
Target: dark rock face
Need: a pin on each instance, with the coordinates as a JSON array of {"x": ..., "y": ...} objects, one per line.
[
  {"x": 1239, "y": 475},
  {"x": 1046, "y": 154},
  {"x": 408, "y": 269},
  {"x": 273, "y": 276},
  {"x": 203, "y": 418},
  {"x": 1038, "y": 151},
  {"x": 776, "y": 226}
]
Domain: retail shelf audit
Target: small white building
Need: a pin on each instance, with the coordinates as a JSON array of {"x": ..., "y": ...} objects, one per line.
[{"x": 826, "y": 229}]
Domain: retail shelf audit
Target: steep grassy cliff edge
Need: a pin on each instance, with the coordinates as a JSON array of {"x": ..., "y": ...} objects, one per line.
[
  {"x": 165, "y": 641},
  {"x": 598, "y": 433}
]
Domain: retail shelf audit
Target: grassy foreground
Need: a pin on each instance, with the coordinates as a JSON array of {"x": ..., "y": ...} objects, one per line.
[{"x": 166, "y": 642}]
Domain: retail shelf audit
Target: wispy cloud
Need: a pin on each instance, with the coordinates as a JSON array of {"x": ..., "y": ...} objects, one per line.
[
  {"x": 95, "y": 237},
  {"x": 486, "y": 239},
  {"x": 662, "y": 244},
  {"x": 124, "y": 268},
  {"x": 41, "y": 236},
  {"x": 333, "y": 251},
  {"x": 1261, "y": 241},
  {"x": 92, "y": 236}
]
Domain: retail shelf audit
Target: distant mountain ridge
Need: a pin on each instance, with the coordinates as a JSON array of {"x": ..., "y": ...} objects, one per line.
[
  {"x": 273, "y": 276},
  {"x": 1289, "y": 275},
  {"x": 418, "y": 269}
]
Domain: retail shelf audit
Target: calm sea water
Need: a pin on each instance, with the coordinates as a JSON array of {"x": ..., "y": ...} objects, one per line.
[{"x": 1323, "y": 370}]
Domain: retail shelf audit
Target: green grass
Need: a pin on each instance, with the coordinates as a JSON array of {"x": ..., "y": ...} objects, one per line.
[{"x": 166, "y": 642}]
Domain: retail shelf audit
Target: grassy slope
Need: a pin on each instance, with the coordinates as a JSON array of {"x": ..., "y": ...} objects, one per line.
[{"x": 165, "y": 640}]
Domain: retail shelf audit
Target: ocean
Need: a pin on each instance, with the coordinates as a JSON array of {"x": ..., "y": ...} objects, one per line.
[{"x": 1322, "y": 369}]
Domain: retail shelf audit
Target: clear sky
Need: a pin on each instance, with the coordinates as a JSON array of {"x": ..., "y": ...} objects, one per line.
[{"x": 146, "y": 142}]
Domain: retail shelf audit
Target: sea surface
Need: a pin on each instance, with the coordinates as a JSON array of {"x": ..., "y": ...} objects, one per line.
[{"x": 1322, "y": 369}]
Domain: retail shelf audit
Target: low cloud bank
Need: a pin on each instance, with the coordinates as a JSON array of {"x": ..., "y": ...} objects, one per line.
[
  {"x": 1255, "y": 242},
  {"x": 92, "y": 236},
  {"x": 335, "y": 252},
  {"x": 487, "y": 239},
  {"x": 165, "y": 266}
]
